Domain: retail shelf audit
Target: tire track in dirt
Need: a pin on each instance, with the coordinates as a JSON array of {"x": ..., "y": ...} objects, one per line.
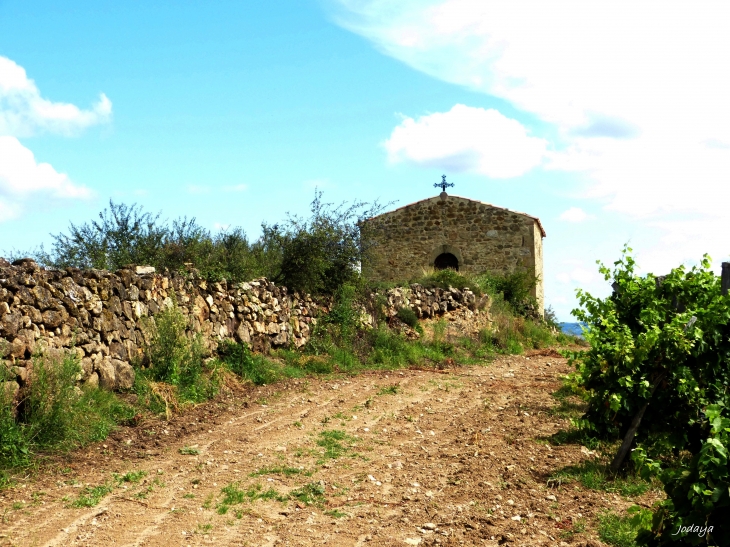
[{"x": 433, "y": 461}]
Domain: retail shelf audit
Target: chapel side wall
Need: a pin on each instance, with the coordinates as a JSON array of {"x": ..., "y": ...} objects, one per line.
[
  {"x": 539, "y": 291},
  {"x": 481, "y": 236}
]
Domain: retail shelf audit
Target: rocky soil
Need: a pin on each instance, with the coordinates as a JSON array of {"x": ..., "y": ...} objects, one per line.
[{"x": 412, "y": 457}]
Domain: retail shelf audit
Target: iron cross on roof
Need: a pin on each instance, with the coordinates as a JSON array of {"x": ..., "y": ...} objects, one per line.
[{"x": 443, "y": 184}]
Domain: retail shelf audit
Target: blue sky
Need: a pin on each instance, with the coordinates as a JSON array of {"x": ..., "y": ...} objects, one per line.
[{"x": 607, "y": 121}]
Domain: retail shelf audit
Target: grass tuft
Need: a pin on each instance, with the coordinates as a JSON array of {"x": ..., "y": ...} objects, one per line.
[
  {"x": 332, "y": 442},
  {"x": 597, "y": 476},
  {"x": 389, "y": 390},
  {"x": 310, "y": 494},
  {"x": 130, "y": 477},
  {"x": 91, "y": 496},
  {"x": 233, "y": 495},
  {"x": 621, "y": 531},
  {"x": 287, "y": 471}
]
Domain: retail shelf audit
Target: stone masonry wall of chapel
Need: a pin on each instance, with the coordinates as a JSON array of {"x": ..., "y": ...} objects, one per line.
[{"x": 483, "y": 237}]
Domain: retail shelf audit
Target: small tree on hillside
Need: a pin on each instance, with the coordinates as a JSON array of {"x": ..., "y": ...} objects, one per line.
[{"x": 324, "y": 252}]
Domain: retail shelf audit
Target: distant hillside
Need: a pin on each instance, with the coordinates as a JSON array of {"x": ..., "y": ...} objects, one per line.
[{"x": 572, "y": 328}]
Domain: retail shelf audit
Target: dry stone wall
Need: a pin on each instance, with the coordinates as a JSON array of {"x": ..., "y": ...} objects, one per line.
[
  {"x": 428, "y": 303},
  {"x": 104, "y": 317}
]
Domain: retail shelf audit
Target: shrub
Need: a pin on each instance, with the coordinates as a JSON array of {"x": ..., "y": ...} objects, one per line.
[
  {"x": 175, "y": 362},
  {"x": 447, "y": 278},
  {"x": 47, "y": 409},
  {"x": 15, "y": 448},
  {"x": 698, "y": 491},
  {"x": 664, "y": 341},
  {"x": 513, "y": 288},
  {"x": 54, "y": 414},
  {"x": 408, "y": 316},
  {"x": 671, "y": 335},
  {"x": 174, "y": 357},
  {"x": 255, "y": 368},
  {"x": 316, "y": 255},
  {"x": 621, "y": 531},
  {"x": 325, "y": 252}
]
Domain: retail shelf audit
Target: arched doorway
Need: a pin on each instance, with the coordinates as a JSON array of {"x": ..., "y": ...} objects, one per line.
[{"x": 446, "y": 260}]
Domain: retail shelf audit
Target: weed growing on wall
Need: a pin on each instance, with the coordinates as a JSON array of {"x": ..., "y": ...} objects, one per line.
[
  {"x": 445, "y": 279},
  {"x": 408, "y": 316},
  {"x": 53, "y": 414},
  {"x": 175, "y": 361},
  {"x": 255, "y": 368},
  {"x": 515, "y": 289}
]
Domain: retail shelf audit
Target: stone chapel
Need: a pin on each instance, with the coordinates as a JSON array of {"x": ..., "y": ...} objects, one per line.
[{"x": 453, "y": 232}]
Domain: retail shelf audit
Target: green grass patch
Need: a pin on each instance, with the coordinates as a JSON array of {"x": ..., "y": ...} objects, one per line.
[
  {"x": 572, "y": 403},
  {"x": 189, "y": 451},
  {"x": 335, "y": 513},
  {"x": 234, "y": 495},
  {"x": 573, "y": 436},
  {"x": 256, "y": 368},
  {"x": 444, "y": 279},
  {"x": 336, "y": 443},
  {"x": 91, "y": 496},
  {"x": 579, "y": 526},
  {"x": 287, "y": 471},
  {"x": 130, "y": 477},
  {"x": 310, "y": 494},
  {"x": 54, "y": 416},
  {"x": 597, "y": 476},
  {"x": 389, "y": 390},
  {"x": 618, "y": 530},
  {"x": 204, "y": 529}
]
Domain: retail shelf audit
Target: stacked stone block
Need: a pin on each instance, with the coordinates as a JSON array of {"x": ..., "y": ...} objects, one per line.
[{"x": 104, "y": 317}]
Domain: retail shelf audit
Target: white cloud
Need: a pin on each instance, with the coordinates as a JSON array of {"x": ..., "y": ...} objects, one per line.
[
  {"x": 638, "y": 93},
  {"x": 23, "y": 112},
  {"x": 574, "y": 214},
  {"x": 236, "y": 188},
  {"x": 467, "y": 139},
  {"x": 22, "y": 178},
  {"x": 197, "y": 189},
  {"x": 579, "y": 275}
]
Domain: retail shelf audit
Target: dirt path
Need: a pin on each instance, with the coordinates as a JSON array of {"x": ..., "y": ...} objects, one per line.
[{"x": 387, "y": 458}]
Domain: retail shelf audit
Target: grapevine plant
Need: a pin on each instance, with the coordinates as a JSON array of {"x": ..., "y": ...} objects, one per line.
[{"x": 657, "y": 374}]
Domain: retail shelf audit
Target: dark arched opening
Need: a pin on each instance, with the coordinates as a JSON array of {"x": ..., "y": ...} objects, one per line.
[{"x": 446, "y": 260}]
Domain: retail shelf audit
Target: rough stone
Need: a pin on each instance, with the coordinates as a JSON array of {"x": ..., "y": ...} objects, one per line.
[
  {"x": 54, "y": 318},
  {"x": 410, "y": 239},
  {"x": 124, "y": 374},
  {"x": 87, "y": 368},
  {"x": 104, "y": 318},
  {"x": 21, "y": 373},
  {"x": 92, "y": 380},
  {"x": 18, "y": 348},
  {"x": 107, "y": 374}
]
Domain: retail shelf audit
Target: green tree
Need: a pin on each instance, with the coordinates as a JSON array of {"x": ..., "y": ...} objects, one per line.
[
  {"x": 659, "y": 351},
  {"x": 324, "y": 252},
  {"x": 122, "y": 235},
  {"x": 657, "y": 372}
]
